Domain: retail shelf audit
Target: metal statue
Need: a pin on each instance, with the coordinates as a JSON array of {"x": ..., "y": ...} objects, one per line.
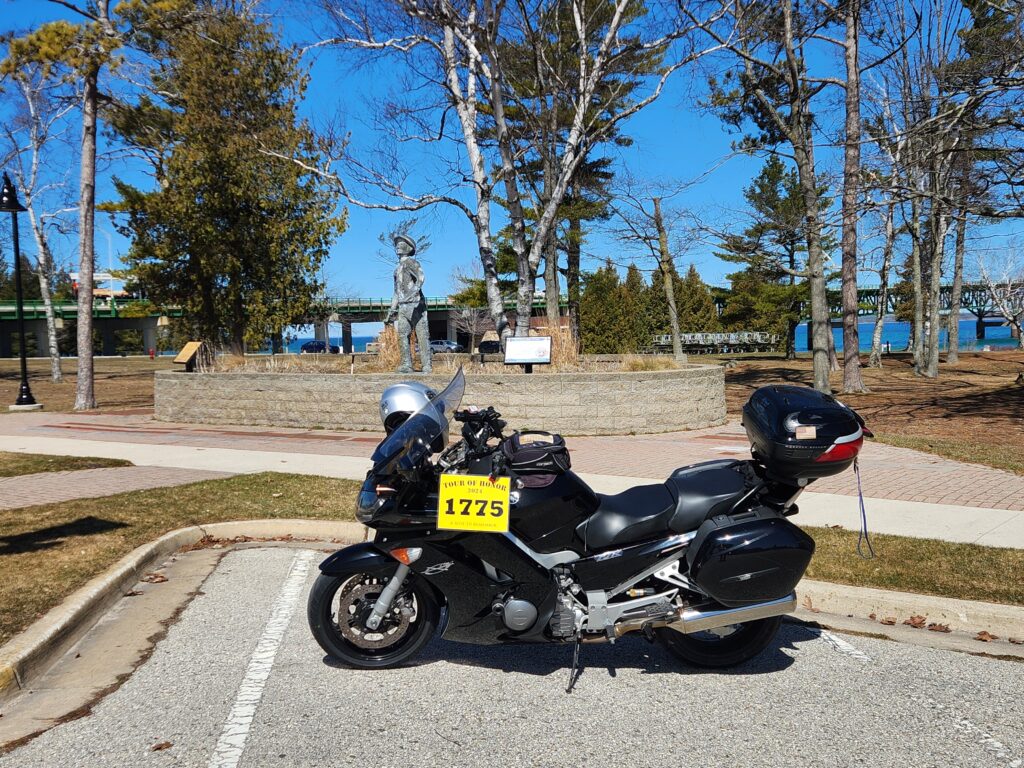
[{"x": 408, "y": 307}]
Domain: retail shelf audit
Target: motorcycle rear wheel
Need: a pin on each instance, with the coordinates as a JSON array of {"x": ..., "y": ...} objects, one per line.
[
  {"x": 716, "y": 650},
  {"x": 396, "y": 644}
]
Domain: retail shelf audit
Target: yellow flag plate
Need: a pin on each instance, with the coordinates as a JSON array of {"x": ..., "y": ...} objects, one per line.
[{"x": 473, "y": 503}]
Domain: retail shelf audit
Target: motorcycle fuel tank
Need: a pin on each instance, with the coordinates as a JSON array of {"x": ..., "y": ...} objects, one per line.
[{"x": 545, "y": 517}]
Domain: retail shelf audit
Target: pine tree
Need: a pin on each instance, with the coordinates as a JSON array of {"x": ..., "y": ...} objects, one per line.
[
  {"x": 697, "y": 311},
  {"x": 232, "y": 235},
  {"x": 636, "y": 294}
]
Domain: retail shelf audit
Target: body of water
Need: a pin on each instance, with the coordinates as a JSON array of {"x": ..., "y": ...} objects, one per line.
[
  {"x": 897, "y": 334},
  {"x": 358, "y": 343}
]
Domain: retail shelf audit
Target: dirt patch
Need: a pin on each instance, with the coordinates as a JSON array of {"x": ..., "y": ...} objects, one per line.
[{"x": 123, "y": 382}]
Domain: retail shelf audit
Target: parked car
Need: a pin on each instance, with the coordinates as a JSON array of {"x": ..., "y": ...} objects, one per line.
[
  {"x": 444, "y": 345},
  {"x": 490, "y": 347},
  {"x": 318, "y": 347}
]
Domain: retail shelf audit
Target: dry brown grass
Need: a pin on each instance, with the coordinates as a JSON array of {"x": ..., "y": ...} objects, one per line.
[
  {"x": 122, "y": 382},
  {"x": 649, "y": 363},
  {"x": 13, "y": 464},
  {"x": 944, "y": 568},
  {"x": 48, "y": 551},
  {"x": 974, "y": 411}
]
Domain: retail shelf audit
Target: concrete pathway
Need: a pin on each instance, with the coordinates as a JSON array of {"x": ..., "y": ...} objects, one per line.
[{"x": 907, "y": 492}]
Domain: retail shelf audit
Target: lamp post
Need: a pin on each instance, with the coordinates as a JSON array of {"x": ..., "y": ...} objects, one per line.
[{"x": 9, "y": 204}]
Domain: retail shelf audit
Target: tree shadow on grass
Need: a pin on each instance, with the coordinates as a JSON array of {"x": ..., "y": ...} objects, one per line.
[{"x": 47, "y": 538}]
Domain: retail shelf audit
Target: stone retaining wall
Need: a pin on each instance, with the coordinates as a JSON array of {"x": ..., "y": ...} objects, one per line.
[{"x": 571, "y": 403}]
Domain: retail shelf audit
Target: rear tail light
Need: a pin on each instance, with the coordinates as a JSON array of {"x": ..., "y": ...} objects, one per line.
[{"x": 842, "y": 451}]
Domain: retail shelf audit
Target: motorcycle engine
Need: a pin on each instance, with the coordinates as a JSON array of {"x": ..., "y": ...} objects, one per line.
[
  {"x": 518, "y": 615},
  {"x": 567, "y": 615}
]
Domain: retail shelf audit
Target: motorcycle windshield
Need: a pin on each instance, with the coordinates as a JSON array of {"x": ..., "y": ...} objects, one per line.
[{"x": 420, "y": 434}]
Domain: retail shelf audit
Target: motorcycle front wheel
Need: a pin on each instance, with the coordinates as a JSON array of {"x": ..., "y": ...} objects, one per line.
[
  {"x": 723, "y": 647},
  {"x": 339, "y": 606}
]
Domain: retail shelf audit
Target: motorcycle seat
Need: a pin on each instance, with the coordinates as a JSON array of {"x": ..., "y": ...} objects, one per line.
[
  {"x": 634, "y": 515},
  {"x": 689, "y": 497},
  {"x": 705, "y": 490}
]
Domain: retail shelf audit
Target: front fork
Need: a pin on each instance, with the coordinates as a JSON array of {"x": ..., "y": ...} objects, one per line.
[{"x": 387, "y": 596}]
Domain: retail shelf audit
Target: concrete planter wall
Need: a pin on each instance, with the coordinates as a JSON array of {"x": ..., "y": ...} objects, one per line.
[{"x": 572, "y": 403}]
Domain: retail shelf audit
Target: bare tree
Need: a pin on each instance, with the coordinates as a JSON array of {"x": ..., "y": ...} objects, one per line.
[
  {"x": 457, "y": 54},
  {"x": 33, "y": 136},
  {"x": 644, "y": 225},
  {"x": 1003, "y": 276}
]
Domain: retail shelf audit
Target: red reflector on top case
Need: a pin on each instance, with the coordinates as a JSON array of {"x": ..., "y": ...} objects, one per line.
[{"x": 842, "y": 451}]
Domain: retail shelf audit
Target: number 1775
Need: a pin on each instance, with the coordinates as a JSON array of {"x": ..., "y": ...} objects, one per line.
[{"x": 482, "y": 506}]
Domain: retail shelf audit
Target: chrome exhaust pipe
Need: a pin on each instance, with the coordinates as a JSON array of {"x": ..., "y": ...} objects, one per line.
[{"x": 699, "y": 618}]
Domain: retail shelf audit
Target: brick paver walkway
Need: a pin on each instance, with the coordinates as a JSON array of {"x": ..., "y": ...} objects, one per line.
[
  {"x": 887, "y": 472},
  {"x": 53, "y": 487}
]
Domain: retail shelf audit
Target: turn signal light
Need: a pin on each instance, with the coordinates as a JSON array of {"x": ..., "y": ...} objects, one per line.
[
  {"x": 406, "y": 555},
  {"x": 842, "y": 451}
]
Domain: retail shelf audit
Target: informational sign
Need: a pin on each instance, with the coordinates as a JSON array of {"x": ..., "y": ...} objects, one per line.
[
  {"x": 473, "y": 503},
  {"x": 527, "y": 350}
]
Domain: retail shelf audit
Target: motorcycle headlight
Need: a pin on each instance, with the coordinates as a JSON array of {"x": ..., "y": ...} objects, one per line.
[{"x": 367, "y": 505}]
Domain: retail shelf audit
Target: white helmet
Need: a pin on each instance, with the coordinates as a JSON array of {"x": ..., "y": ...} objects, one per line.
[{"x": 402, "y": 400}]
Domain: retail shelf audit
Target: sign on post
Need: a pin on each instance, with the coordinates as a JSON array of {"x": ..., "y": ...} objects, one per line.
[{"x": 528, "y": 351}]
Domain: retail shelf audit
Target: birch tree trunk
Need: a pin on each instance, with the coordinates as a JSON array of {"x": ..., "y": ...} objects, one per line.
[
  {"x": 852, "y": 379},
  {"x": 85, "y": 394},
  {"x": 915, "y": 269},
  {"x": 882, "y": 302},
  {"x": 551, "y": 293},
  {"x": 44, "y": 271},
  {"x": 953, "y": 353}
]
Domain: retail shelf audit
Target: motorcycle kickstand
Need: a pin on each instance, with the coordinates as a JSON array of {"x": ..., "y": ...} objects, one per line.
[{"x": 574, "y": 671}]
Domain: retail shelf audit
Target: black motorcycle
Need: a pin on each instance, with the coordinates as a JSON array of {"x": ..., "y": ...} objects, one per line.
[{"x": 705, "y": 563}]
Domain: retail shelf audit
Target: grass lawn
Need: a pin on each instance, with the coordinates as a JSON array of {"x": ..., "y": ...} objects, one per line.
[
  {"x": 48, "y": 551},
  {"x": 965, "y": 571},
  {"x": 12, "y": 464}
]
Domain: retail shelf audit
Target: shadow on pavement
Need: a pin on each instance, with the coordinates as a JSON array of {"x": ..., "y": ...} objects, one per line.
[
  {"x": 45, "y": 538},
  {"x": 628, "y": 653}
]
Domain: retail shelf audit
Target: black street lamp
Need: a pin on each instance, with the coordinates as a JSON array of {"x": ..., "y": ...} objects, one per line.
[{"x": 9, "y": 204}]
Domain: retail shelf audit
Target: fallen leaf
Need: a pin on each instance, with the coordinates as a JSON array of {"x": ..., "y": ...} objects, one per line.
[
  {"x": 277, "y": 495},
  {"x": 1016, "y": 640},
  {"x": 809, "y": 606},
  {"x": 939, "y": 628},
  {"x": 986, "y": 637},
  {"x": 839, "y": 527},
  {"x": 888, "y": 621},
  {"x": 917, "y": 622},
  {"x": 871, "y": 616},
  {"x": 132, "y": 593},
  {"x": 161, "y": 746},
  {"x": 154, "y": 578}
]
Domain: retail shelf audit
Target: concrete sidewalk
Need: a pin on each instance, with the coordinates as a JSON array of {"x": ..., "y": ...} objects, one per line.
[{"x": 907, "y": 492}]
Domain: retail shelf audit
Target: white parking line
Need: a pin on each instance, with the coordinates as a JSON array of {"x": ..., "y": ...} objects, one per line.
[
  {"x": 842, "y": 646},
  {"x": 232, "y": 739},
  {"x": 983, "y": 737}
]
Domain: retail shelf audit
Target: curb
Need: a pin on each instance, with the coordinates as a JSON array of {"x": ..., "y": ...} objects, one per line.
[
  {"x": 970, "y": 616},
  {"x": 29, "y": 653}
]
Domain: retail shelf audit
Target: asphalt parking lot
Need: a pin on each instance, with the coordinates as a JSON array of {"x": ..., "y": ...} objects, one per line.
[{"x": 238, "y": 681}]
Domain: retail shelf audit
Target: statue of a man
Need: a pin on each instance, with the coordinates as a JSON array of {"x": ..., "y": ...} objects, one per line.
[{"x": 408, "y": 307}]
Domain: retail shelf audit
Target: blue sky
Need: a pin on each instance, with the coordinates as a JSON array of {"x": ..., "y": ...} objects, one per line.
[{"x": 673, "y": 141}]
